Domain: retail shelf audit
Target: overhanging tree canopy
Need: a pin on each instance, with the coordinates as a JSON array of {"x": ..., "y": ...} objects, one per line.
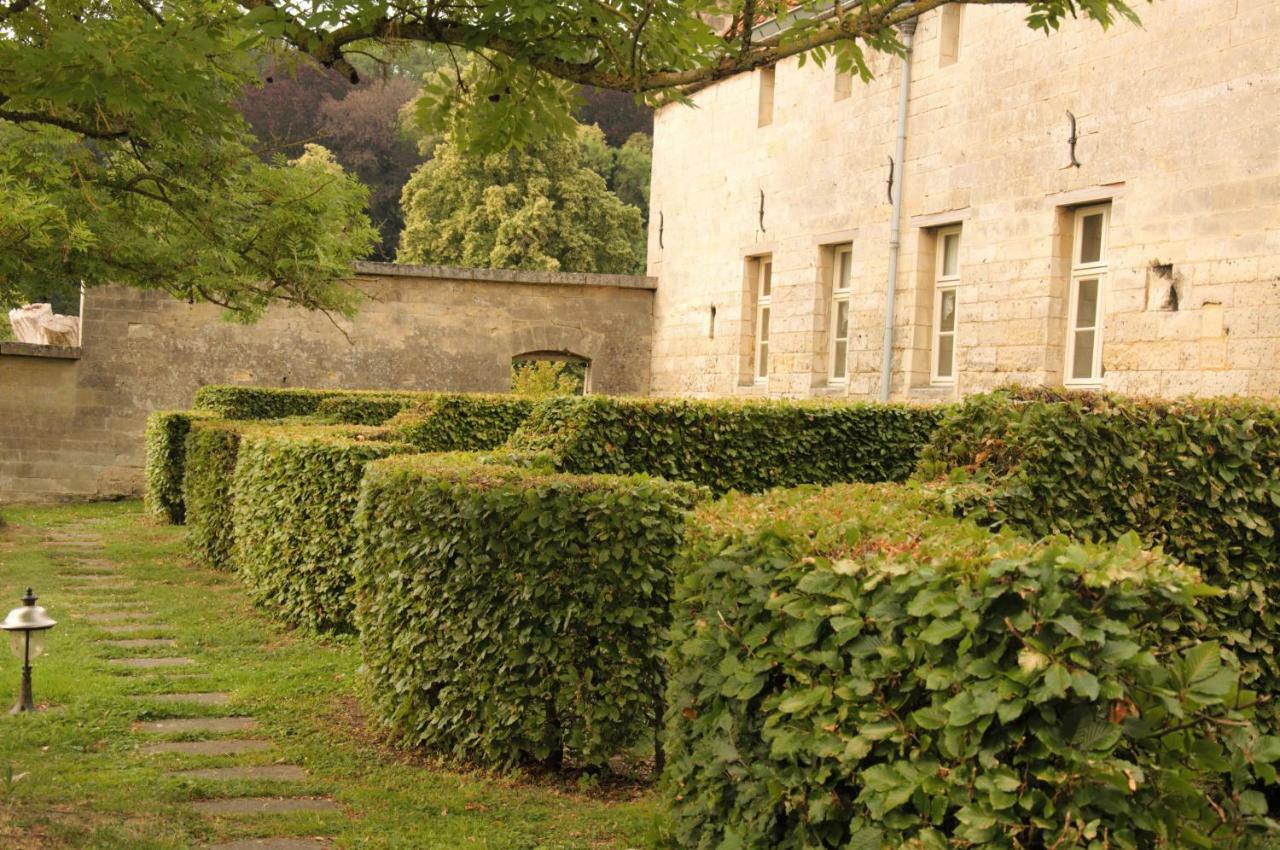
[{"x": 125, "y": 160}]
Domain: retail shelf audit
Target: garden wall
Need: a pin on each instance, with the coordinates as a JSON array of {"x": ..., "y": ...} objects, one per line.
[{"x": 71, "y": 419}]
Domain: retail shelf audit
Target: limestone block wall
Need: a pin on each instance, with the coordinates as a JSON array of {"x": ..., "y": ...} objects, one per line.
[
  {"x": 1178, "y": 129},
  {"x": 71, "y": 420}
]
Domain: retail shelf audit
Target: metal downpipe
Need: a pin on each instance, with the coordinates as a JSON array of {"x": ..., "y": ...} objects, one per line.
[{"x": 895, "y": 224}]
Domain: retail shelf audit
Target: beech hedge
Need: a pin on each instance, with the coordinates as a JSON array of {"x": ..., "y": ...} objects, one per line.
[
  {"x": 725, "y": 445},
  {"x": 209, "y": 467},
  {"x": 294, "y": 495},
  {"x": 856, "y": 668},
  {"x": 508, "y": 615},
  {"x": 1200, "y": 478},
  {"x": 165, "y": 441},
  {"x": 364, "y": 409},
  {"x": 450, "y": 422},
  {"x": 237, "y": 402}
]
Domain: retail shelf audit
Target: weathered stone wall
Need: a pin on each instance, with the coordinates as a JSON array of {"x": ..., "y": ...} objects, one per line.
[
  {"x": 1179, "y": 128},
  {"x": 71, "y": 420}
]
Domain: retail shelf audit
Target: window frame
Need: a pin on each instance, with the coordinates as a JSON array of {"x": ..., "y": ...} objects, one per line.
[
  {"x": 944, "y": 283},
  {"x": 763, "y": 307},
  {"x": 838, "y": 296},
  {"x": 1082, "y": 271}
]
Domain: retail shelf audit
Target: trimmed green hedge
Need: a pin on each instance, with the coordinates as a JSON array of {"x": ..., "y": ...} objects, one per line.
[
  {"x": 509, "y": 616},
  {"x": 294, "y": 496},
  {"x": 210, "y": 465},
  {"x": 1199, "y": 478},
  {"x": 235, "y": 402},
  {"x": 854, "y": 668},
  {"x": 165, "y": 441},
  {"x": 462, "y": 422},
  {"x": 364, "y": 409},
  {"x": 730, "y": 445}
]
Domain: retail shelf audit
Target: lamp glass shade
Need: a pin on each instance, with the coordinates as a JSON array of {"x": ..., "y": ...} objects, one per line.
[{"x": 18, "y": 639}]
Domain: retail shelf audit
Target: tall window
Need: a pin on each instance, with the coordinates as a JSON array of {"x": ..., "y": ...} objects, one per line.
[
  {"x": 946, "y": 277},
  {"x": 764, "y": 299},
  {"x": 1084, "y": 310},
  {"x": 838, "y": 354},
  {"x": 764, "y": 114}
]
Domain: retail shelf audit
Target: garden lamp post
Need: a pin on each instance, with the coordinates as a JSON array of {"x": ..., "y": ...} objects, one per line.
[{"x": 26, "y": 627}]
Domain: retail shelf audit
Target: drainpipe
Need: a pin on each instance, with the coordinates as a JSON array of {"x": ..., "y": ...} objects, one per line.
[{"x": 895, "y": 224}]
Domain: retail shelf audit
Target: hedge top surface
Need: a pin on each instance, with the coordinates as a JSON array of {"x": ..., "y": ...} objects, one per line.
[
  {"x": 244, "y": 402},
  {"x": 493, "y": 471}
]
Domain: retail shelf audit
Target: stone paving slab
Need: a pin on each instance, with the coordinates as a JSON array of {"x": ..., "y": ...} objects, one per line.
[
  {"x": 149, "y": 663},
  {"x": 197, "y": 724},
  {"x": 264, "y": 772},
  {"x": 274, "y": 844},
  {"x": 264, "y": 805},
  {"x": 227, "y": 747},
  {"x": 139, "y": 643},
  {"x": 195, "y": 698},
  {"x": 128, "y": 628}
]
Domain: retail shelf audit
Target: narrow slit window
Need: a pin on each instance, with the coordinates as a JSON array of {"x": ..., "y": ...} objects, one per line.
[
  {"x": 1088, "y": 284},
  {"x": 844, "y": 84},
  {"x": 764, "y": 301},
  {"x": 768, "y": 76},
  {"x": 841, "y": 279},
  {"x": 945, "y": 287}
]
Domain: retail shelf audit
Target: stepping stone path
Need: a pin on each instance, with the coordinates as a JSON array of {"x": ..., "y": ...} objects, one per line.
[
  {"x": 273, "y": 844},
  {"x": 150, "y": 663},
  {"x": 115, "y": 611},
  {"x": 140, "y": 643},
  {"x": 264, "y": 805},
  {"x": 223, "y": 747}
]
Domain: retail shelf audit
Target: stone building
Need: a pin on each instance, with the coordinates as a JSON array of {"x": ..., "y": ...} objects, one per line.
[{"x": 1086, "y": 208}]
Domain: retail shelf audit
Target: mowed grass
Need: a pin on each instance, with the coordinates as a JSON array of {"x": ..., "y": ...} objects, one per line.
[{"x": 85, "y": 782}]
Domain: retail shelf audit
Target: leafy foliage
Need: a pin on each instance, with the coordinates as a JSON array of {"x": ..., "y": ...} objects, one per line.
[
  {"x": 236, "y": 402},
  {"x": 294, "y": 494},
  {"x": 209, "y": 468},
  {"x": 854, "y": 668},
  {"x": 1199, "y": 478},
  {"x": 450, "y": 422},
  {"x": 165, "y": 441},
  {"x": 539, "y": 379},
  {"x": 729, "y": 445},
  {"x": 508, "y": 615},
  {"x": 365, "y": 408},
  {"x": 542, "y": 207}
]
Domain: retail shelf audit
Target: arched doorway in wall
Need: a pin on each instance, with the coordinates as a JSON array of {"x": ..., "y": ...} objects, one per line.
[{"x": 547, "y": 373}]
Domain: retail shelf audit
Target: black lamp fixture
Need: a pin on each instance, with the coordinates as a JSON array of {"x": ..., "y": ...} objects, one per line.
[{"x": 26, "y": 627}]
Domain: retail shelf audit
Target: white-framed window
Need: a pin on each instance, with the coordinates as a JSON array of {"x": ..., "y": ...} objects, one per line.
[
  {"x": 946, "y": 282},
  {"x": 1088, "y": 285},
  {"x": 764, "y": 302},
  {"x": 838, "y": 334}
]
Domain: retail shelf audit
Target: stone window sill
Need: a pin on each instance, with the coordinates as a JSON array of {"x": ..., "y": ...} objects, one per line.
[{"x": 28, "y": 349}]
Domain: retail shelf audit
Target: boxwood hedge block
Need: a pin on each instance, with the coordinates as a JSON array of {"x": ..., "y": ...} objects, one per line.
[
  {"x": 1200, "y": 478},
  {"x": 165, "y": 441},
  {"x": 854, "y": 668},
  {"x": 295, "y": 492},
  {"x": 210, "y": 464},
  {"x": 730, "y": 445},
  {"x": 508, "y": 615},
  {"x": 462, "y": 422}
]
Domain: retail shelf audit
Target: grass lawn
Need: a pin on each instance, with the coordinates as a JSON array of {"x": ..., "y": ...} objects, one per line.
[{"x": 86, "y": 781}]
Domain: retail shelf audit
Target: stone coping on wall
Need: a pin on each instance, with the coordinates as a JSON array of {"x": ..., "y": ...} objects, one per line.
[
  {"x": 617, "y": 281},
  {"x": 31, "y": 349}
]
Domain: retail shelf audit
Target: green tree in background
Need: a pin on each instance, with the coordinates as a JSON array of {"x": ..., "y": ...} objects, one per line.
[{"x": 543, "y": 207}]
